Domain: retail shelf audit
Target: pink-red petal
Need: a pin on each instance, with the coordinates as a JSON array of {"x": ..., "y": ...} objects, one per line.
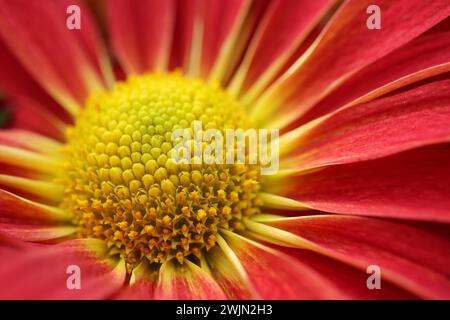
[
  {"x": 141, "y": 33},
  {"x": 44, "y": 271},
  {"x": 16, "y": 209},
  {"x": 346, "y": 46},
  {"x": 422, "y": 58},
  {"x": 378, "y": 128},
  {"x": 411, "y": 257},
  {"x": 36, "y": 233},
  {"x": 275, "y": 275},
  {"x": 411, "y": 185},
  {"x": 187, "y": 281},
  {"x": 350, "y": 280},
  {"x": 61, "y": 59},
  {"x": 284, "y": 26}
]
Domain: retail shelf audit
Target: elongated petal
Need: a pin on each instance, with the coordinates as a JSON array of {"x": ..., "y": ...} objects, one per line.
[
  {"x": 410, "y": 185},
  {"x": 142, "y": 284},
  {"x": 29, "y": 140},
  {"x": 20, "y": 87},
  {"x": 422, "y": 58},
  {"x": 284, "y": 26},
  {"x": 143, "y": 289},
  {"x": 350, "y": 280},
  {"x": 186, "y": 282},
  {"x": 27, "y": 159},
  {"x": 412, "y": 258},
  {"x": 49, "y": 271},
  {"x": 141, "y": 33},
  {"x": 16, "y": 209},
  {"x": 31, "y": 116},
  {"x": 62, "y": 59},
  {"x": 36, "y": 233},
  {"x": 42, "y": 190},
  {"x": 188, "y": 13},
  {"x": 222, "y": 25},
  {"x": 346, "y": 46},
  {"x": 277, "y": 276},
  {"x": 229, "y": 272},
  {"x": 378, "y": 128}
]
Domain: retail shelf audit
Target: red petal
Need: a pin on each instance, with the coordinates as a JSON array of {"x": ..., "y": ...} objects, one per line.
[
  {"x": 142, "y": 284},
  {"x": 412, "y": 258},
  {"x": 187, "y": 12},
  {"x": 19, "y": 86},
  {"x": 229, "y": 273},
  {"x": 62, "y": 59},
  {"x": 378, "y": 128},
  {"x": 422, "y": 58},
  {"x": 41, "y": 272},
  {"x": 36, "y": 233},
  {"x": 346, "y": 46},
  {"x": 284, "y": 26},
  {"x": 31, "y": 116},
  {"x": 16, "y": 209},
  {"x": 277, "y": 276},
  {"x": 143, "y": 289},
  {"x": 222, "y": 22},
  {"x": 350, "y": 280},
  {"x": 186, "y": 282},
  {"x": 410, "y": 185},
  {"x": 29, "y": 141},
  {"x": 141, "y": 33}
]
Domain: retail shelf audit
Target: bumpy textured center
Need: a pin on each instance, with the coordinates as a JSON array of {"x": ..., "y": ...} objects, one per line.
[{"x": 122, "y": 185}]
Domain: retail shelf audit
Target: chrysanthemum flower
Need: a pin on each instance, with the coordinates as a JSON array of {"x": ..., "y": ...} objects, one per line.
[{"x": 87, "y": 180}]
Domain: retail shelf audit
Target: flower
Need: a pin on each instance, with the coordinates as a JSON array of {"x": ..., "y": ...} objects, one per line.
[{"x": 87, "y": 183}]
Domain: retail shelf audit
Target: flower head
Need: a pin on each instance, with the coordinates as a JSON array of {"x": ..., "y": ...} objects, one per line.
[{"x": 90, "y": 178}]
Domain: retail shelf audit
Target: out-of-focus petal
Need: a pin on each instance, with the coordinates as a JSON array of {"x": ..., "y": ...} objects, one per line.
[
  {"x": 229, "y": 273},
  {"x": 345, "y": 46},
  {"x": 28, "y": 140},
  {"x": 222, "y": 25},
  {"x": 142, "y": 284},
  {"x": 44, "y": 271},
  {"x": 411, "y": 185},
  {"x": 284, "y": 26},
  {"x": 412, "y": 258},
  {"x": 350, "y": 280},
  {"x": 187, "y": 281},
  {"x": 27, "y": 159},
  {"x": 31, "y": 116},
  {"x": 32, "y": 188},
  {"x": 27, "y": 95},
  {"x": 35, "y": 232},
  {"x": 16, "y": 209},
  {"x": 62, "y": 60},
  {"x": 141, "y": 33},
  {"x": 277, "y": 276}
]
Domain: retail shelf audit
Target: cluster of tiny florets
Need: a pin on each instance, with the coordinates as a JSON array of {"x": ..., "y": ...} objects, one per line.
[{"x": 122, "y": 186}]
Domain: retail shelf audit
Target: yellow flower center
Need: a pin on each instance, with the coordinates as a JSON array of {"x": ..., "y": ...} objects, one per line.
[{"x": 122, "y": 185}]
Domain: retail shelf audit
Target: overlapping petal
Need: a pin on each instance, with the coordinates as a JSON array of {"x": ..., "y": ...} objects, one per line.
[
  {"x": 422, "y": 58},
  {"x": 277, "y": 276},
  {"x": 41, "y": 271},
  {"x": 345, "y": 46},
  {"x": 62, "y": 61},
  {"x": 411, "y": 257},
  {"x": 375, "y": 129},
  {"x": 282, "y": 29},
  {"x": 141, "y": 33},
  {"x": 411, "y": 185},
  {"x": 188, "y": 281}
]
